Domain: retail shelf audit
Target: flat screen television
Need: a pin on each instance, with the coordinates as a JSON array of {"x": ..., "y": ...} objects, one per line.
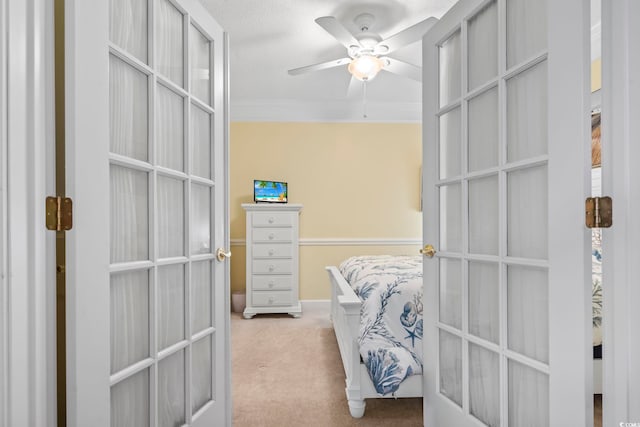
[{"x": 269, "y": 191}]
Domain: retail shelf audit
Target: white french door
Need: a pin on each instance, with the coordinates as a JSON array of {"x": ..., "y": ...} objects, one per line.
[
  {"x": 148, "y": 318},
  {"x": 507, "y": 296}
]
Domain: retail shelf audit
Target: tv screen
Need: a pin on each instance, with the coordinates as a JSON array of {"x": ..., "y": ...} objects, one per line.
[{"x": 269, "y": 191}]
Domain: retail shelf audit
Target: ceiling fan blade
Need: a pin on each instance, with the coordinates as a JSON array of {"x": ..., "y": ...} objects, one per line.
[
  {"x": 405, "y": 37},
  {"x": 332, "y": 26},
  {"x": 403, "y": 68},
  {"x": 321, "y": 66}
]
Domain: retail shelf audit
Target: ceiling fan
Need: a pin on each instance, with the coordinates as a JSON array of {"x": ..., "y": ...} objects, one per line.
[{"x": 367, "y": 51}]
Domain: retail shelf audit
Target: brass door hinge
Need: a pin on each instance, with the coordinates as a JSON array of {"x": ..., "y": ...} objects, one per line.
[
  {"x": 59, "y": 213},
  {"x": 599, "y": 212}
]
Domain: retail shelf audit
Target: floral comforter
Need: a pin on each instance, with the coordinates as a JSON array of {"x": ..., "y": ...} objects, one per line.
[
  {"x": 596, "y": 280},
  {"x": 391, "y": 325}
]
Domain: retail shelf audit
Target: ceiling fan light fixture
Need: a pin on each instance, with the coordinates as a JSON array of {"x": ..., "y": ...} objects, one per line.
[{"x": 365, "y": 67}]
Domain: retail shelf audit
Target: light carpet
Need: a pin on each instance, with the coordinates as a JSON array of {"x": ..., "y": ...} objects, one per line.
[{"x": 288, "y": 372}]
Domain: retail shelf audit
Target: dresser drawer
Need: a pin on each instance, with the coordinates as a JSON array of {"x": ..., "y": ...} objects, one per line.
[
  {"x": 272, "y": 234},
  {"x": 273, "y": 219},
  {"x": 274, "y": 298},
  {"x": 272, "y": 283},
  {"x": 272, "y": 266},
  {"x": 273, "y": 250}
]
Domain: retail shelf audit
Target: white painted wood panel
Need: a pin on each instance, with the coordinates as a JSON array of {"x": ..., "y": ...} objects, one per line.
[
  {"x": 620, "y": 177},
  {"x": 28, "y": 288}
]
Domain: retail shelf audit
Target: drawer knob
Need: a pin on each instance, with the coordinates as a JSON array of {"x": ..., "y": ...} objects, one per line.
[
  {"x": 271, "y": 236},
  {"x": 272, "y": 267},
  {"x": 270, "y": 300},
  {"x": 271, "y": 251},
  {"x": 271, "y": 283},
  {"x": 271, "y": 220}
]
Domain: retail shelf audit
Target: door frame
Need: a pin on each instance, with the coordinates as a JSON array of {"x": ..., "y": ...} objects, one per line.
[
  {"x": 620, "y": 177},
  {"x": 27, "y": 285}
]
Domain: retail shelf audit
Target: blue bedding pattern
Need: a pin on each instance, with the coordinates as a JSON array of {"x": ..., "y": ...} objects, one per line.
[{"x": 391, "y": 327}]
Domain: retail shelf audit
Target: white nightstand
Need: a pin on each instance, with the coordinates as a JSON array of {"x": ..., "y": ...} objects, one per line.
[{"x": 272, "y": 259}]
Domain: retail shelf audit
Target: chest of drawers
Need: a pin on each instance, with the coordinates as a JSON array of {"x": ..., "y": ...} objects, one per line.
[{"x": 272, "y": 259}]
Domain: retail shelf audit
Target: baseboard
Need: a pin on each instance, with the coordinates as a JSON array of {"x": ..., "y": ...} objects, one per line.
[{"x": 316, "y": 305}]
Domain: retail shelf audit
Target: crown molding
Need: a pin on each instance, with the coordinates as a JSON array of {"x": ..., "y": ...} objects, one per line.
[
  {"x": 332, "y": 111},
  {"x": 337, "y": 241}
]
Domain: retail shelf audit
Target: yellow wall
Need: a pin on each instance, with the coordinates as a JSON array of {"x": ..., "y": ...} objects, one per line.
[{"x": 354, "y": 180}]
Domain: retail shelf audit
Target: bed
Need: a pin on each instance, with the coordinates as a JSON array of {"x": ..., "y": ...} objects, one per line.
[
  {"x": 397, "y": 280},
  {"x": 387, "y": 344}
]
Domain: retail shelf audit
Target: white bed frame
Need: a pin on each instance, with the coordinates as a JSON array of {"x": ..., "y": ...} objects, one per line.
[{"x": 345, "y": 315}]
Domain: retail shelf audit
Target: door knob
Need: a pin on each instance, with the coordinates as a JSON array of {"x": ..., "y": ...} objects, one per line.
[
  {"x": 221, "y": 254},
  {"x": 428, "y": 251}
]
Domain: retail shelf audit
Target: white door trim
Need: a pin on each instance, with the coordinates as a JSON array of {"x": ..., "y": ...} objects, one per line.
[
  {"x": 620, "y": 156},
  {"x": 4, "y": 307},
  {"x": 28, "y": 358},
  {"x": 227, "y": 233}
]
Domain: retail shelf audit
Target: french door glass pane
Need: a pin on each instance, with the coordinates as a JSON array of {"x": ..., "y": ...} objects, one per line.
[
  {"x": 170, "y": 129},
  {"x": 483, "y": 215},
  {"x": 527, "y": 213},
  {"x": 450, "y": 218},
  {"x": 130, "y": 401},
  {"x": 170, "y": 217},
  {"x": 526, "y": 29},
  {"x": 129, "y": 318},
  {"x": 450, "y": 69},
  {"x": 527, "y": 312},
  {"x": 484, "y": 385},
  {"x": 170, "y": 42},
  {"x": 201, "y": 142},
  {"x": 171, "y": 392},
  {"x": 129, "y": 214},
  {"x": 527, "y": 114},
  {"x": 483, "y": 131},
  {"x": 128, "y": 106},
  {"x": 171, "y": 299},
  {"x": 200, "y": 65},
  {"x": 450, "y": 144},
  {"x": 451, "y": 366},
  {"x": 201, "y": 311},
  {"x": 128, "y": 26},
  {"x": 201, "y": 377},
  {"x": 484, "y": 308},
  {"x": 528, "y": 396},
  {"x": 200, "y": 219},
  {"x": 482, "y": 34},
  {"x": 451, "y": 292}
]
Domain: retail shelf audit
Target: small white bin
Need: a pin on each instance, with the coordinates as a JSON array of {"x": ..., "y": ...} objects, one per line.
[{"x": 238, "y": 301}]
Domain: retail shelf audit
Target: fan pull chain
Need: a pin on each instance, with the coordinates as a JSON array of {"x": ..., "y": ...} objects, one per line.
[{"x": 364, "y": 99}]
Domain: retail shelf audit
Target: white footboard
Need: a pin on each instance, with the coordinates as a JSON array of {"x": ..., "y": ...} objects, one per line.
[{"x": 345, "y": 315}]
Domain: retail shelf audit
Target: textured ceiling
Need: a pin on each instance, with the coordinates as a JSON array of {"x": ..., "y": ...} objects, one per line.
[{"x": 268, "y": 37}]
